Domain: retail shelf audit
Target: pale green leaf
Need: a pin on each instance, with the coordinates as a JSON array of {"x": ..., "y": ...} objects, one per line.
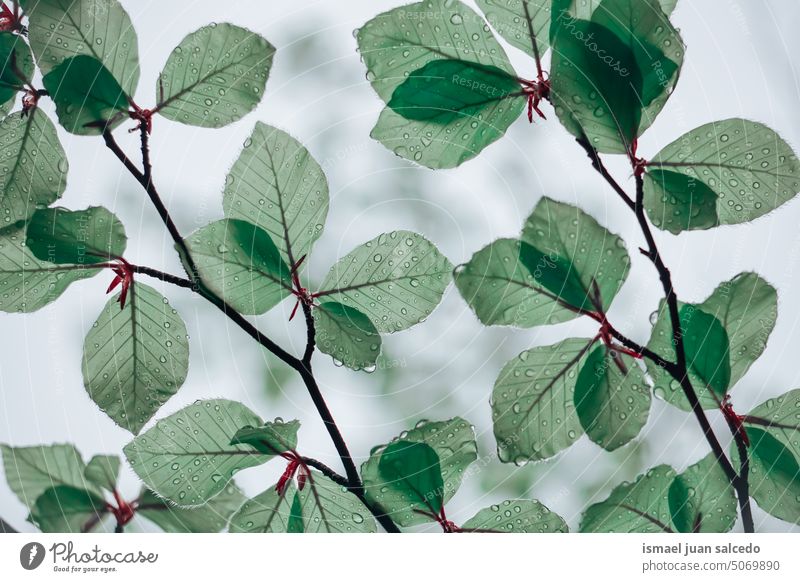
[
  {"x": 638, "y": 507},
  {"x": 533, "y": 402},
  {"x": 327, "y": 507},
  {"x": 187, "y": 457},
  {"x": 60, "y": 29},
  {"x": 347, "y": 335},
  {"x": 16, "y": 68},
  {"x": 523, "y": 23},
  {"x": 211, "y": 517},
  {"x": 267, "y": 512},
  {"x": 135, "y": 358},
  {"x": 277, "y": 185},
  {"x": 103, "y": 471},
  {"x": 454, "y": 444},
  {"x": 749, "y": 167},
  {"x": 240, "y": 262},
  {"x": 271, "y": 438},
  {"x": 781, "y": 418},
  {"x": 612, "y": 398},
  {"x": 30, "y": 471},
  {"x": 516, "y": 516},
  {"x": 33, "y": 165},
  {"x": 215, "y": 76},
  {"x": 396, "y": 279}
]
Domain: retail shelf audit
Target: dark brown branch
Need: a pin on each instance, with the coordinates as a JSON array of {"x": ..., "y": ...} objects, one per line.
[
  {"x": 166, "y": 277},
  {"x": 302, "y": 366}
]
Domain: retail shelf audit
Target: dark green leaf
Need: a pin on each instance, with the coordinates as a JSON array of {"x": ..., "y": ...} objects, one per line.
[
  {"x": 453, "y": 441},
  {"x": 215, "y": 76},
  {"x": 278, "y": 186},
  {"x": 88, "y": 98},
  {"x": 267, "y": 512},
  {"x": 516, "y": 516},
  {"x": 211, "y": 517},
  {"x": 396, "y": 279},
  {"x": 612, "y": 398},
  {"x": 77, "y": 237},
  {"x": 638, "y": 507},
  {"x": 295, "y": 524},
  {"x": 135, "y": 358},
  {"x": 271, "y": 438},
  {"x": 412, "y": 471},
  {"x": 747, "y": 166},
  {"x": 240, "y": 262},
  {"x": 533, "y": 402},
  {"x": 443, "y": 91},
  {"x": 347, "y": 335},
  {"x": 16, "y": 70},
  {"x": 187, "y": 457},
  {"x": 774, "y": 475},
  {"x": 707, "y": 349},
  {"x": 30, "y": 471},
  {"x": 60, "y": 29},
  {"x": 26, "y": 283},
  {"x": 781, "y": 418},
  {"x": 33, "y": 166},
  {"x": 701, "y": 499},
  {"x": 746, "y": 306},
  {"x": 103, "y": 471},
  {"x": 65, "y": 509}
]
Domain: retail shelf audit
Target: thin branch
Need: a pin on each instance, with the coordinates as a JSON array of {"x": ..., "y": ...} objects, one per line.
[
  {"x": 166, "y": 277},
  {"x": 311, "y": 334},
  {"x": 598, "y": 165}
]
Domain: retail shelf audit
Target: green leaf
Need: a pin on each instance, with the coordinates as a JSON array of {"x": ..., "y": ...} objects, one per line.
[
  {"x": 638, "y": 507},
  {"x": 774, "y": 475},
  {"x": 78, "y": 237},
  {"x": 65, "y": 509},
  {"x": 60, "y": 29},
  {"x": 501, "y": 290},
  {"x": 33, "y": 165},
  {"x": 30, "y": 471},
  {"x": 88, "y": 98},
  {"x": 522, "y": 23},
  {"x": 267, "y": 512},
  {"x": 445, "y": 90},
  {"x": 573, "y": 254},
  {"x": 612, "y": 398},
  {"x": 453, "y": 441},
  {"x": 677, "y": 202},
  {"x": 240, "y": 262},
  {"x": 103, "y": 471},
  {"x": 746, "y": 307},
  {"x": 701, "y": 499},
  {"x": 194, "y": 442},
  {"x": 26, "y": 283},
  {"x": 135, "y": 358},
  {"x": 211, "y": 517},
  {"x": 707, "y": 349},
  {"x": 748, "y": 166},
  {"x": 396, "y": 279},
  {"x": 611, "y": 75},
  {"x": 533, "y": 402},
  {"x": 516, "y": 516},
  {"x": 215, "y": 76},
  {"x": 277, "y": 185},
  {"x": 17, "y": 67},
  {"x": 395, "y": 44},
  {"x": 780, "y": 417},
  {"x": 347, "y": 335},
  {"x": 326, "y": 507},
  {"x": 411, "y": 470},
  {"x": 271, "y": 438}
]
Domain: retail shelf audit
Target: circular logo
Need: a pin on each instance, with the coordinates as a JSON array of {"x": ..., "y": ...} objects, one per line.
[{"x": 31, "y": 555}]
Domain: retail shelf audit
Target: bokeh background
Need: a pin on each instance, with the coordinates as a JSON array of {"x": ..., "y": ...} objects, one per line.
[{"x": 741, "y": 61}]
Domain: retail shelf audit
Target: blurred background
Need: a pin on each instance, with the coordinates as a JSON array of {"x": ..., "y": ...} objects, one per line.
[{"x": 740, "y": 62}]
